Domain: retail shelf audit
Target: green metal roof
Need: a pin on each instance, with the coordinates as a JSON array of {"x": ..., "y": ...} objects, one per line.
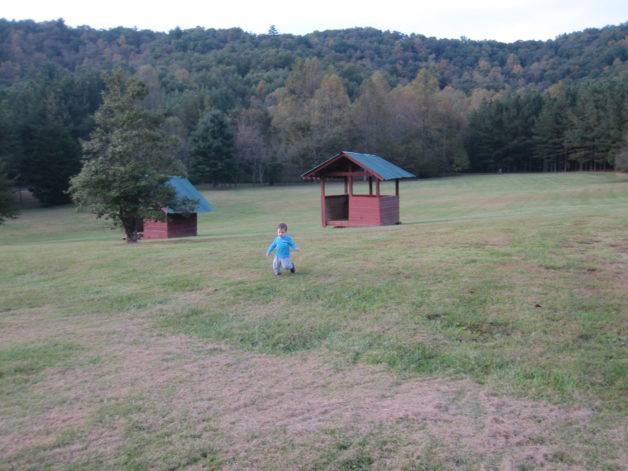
[
  {"x": 374, "y": 164},
  {"x": 185, "y": 189}
]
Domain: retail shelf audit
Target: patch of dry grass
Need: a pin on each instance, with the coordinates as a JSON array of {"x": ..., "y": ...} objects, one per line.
[{"x": 141, "y": 399}]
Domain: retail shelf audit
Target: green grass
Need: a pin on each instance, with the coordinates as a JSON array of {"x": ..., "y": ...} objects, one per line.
[
  {"x": 516, "y": 282},
  {"x": 26, "y": 362}
]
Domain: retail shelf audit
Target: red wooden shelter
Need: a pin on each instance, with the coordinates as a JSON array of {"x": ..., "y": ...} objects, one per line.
[
  {"x": 178, "y": 224},
  {"x": 354, "y": 210}
]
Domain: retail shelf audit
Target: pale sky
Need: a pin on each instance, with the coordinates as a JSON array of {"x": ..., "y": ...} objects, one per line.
[{"x": 502, "y": 20}]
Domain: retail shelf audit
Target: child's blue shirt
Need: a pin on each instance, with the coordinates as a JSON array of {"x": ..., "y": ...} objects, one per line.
[{"x": 282, "y": 244}]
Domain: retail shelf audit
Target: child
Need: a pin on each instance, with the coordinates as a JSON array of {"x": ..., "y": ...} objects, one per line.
[{"x": 282, "y": 243}]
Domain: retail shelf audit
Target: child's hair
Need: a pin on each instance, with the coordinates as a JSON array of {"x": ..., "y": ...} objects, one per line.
[{"x": 283, "y": 225}]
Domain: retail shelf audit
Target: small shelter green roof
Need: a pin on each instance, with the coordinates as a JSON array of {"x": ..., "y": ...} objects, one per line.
[
  {"x": 374, "y": 165},
  {"x": 185, "y": 189}
]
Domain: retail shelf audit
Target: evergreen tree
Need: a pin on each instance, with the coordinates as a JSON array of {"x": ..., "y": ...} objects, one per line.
[
  {"x": 127, "y": 161},
  {"x": 621, "y": 157},
  {"x": 501, "y": 133},
  {"x": 616, "y": 114},
  {"x": 549, "y": 130},
  {"x": 521, "y": 110},
  {"x": 588, "y": 137},
  {"x": 596, "y": 122},
  {"x": 483, "y": 138},
  {"x": 48, "y": 115},
  {"x": 8, "y": 207},
  {"x": 10, "y": 143},
  {"x": 212, "y": 151},
  {"x": 53, "y": 157}
]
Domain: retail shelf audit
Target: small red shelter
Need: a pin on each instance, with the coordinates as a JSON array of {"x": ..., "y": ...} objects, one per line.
[
  {"x": 176, "y": 223},
  {"x": 354, "y": 210}
]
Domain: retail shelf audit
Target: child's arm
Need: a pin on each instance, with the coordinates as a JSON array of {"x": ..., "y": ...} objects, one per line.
[{"x": 271, "y": 247}]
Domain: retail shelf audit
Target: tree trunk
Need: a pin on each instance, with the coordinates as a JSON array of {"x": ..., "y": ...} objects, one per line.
[
  {"x": 133, "y": 230},
  {"x": 132, "y": 238}
]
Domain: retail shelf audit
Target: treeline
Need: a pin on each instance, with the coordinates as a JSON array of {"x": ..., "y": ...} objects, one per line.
[
  {"x": 196, "y": 57},
  {"x": 265, "y": 108},
  {"x": 581, "y": 126}
]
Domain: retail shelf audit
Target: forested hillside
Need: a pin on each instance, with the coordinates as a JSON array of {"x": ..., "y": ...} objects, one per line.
[{"x": 264, "y": 108}]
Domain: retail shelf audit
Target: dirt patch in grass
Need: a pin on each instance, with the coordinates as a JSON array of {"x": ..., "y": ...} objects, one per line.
[{"x": 161, "y": 398}]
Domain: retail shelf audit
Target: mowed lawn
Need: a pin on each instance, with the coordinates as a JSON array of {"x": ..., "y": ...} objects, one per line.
[{"x": 488, "y": 331}]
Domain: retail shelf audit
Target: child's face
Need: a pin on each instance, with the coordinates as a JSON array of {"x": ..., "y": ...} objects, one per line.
[{"x": 281, "y": 232}]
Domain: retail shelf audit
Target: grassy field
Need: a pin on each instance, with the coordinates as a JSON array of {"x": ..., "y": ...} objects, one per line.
[{"x": 488, "y": 331}]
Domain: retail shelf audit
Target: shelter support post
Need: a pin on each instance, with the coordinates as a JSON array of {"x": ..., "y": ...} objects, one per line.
[{"x": 323, "y": 211}]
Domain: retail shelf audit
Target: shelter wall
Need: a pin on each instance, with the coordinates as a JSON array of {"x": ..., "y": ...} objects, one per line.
[
  {"x": 364, "y": 210},
  {"x": 361, "y": 210},
  {"x": 388, "y": 210},
  {"x": 176, "y": 225}
]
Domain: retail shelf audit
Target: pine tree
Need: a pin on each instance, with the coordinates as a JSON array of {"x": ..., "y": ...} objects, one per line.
[
  {"x": 621, "y": 156},
  {"x": 53, "y": 157},
  {"x": 127, "y": 161},
  {"x": 7, "y": 199},
  {"x": 549, "y": 132},
  {"x": 586, "y": 137},
  {"x": 501, "y": 132},
  {"x": 212, "y": 151},
  {"x": 49, "y": 114}
]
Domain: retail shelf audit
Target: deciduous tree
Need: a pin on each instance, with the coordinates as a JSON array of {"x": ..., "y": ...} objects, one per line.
[
  {"x": 370, "y": 112},
  {"x": 329, "y": 115},
  {"x": 254, "y": 142}
]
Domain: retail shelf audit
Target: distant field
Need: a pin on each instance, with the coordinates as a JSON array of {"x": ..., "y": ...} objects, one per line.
[{"x": 488, "y": 331}]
